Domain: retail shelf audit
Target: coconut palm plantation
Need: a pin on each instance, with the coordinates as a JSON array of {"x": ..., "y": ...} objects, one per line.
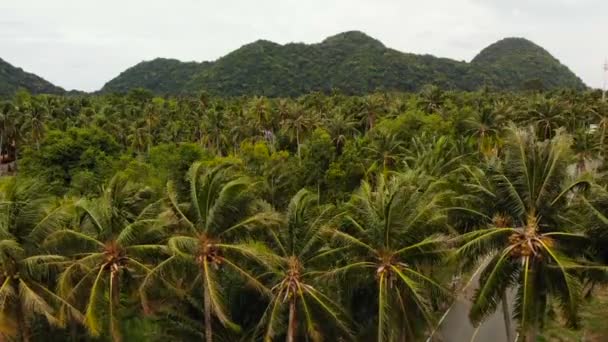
[{"x": 323, "y": 217}]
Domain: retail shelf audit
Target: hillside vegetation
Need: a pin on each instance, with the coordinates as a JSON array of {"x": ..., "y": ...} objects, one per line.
[
  {"x": 352, "y": 63},
  {"x": 514, "y": 61},
  {"x": 13, "y": 78}
]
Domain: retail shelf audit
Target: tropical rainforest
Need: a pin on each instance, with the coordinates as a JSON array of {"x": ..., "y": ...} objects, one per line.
[{"x": 323, "y": 217}]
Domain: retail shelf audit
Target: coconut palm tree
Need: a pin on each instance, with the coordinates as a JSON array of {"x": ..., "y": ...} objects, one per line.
[
  {"x": 431, "y": 98},
  {"x": 525, "y": 234},
  {"x": 485, "y": 126},
  {"x": 213, "y": 128},
  {"x": 302, "y": 248},
  {"x": 296, "y": 124},
  {"x": 258, "y": 110},
  {"x": 340, "y": 127},
  {"x": 392, "y": 231},
  {"x": 373, "y": 105},
  {"x": 113, "y": 237},
  {"x": 600, "y": 119},
  {"x": 433, "y": 156},
  {"x": 140, "y": 137},
  {"x": 385, "y": 146},
  {"x": 34, "y": 119},
  {"x": 209, "y": 241},
  {"x": 27, "y": 271},
  {"x": 546, "y": 114}
]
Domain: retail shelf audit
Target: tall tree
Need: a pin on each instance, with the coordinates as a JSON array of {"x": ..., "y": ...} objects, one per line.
[
  {"x": 393, "y": 230},
  {"x": 296, "y": 124},
  {"x": 526, "y": 235},
  {"x": 303, "y": 248},
  {"x": 114, "y": 235},
  {"x": 210, "y": 240},
  {"x": 27, "y": 271}
]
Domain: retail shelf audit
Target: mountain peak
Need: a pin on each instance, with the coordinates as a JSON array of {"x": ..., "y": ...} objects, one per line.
[
  {"x": 508, "y": 47},
  {"x": 520, "y": 60},
  {"x": 353, "y": 38}
]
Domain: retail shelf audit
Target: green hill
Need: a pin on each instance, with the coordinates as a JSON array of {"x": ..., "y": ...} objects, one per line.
[
  {"x": 13, "y": 78},
  {"x": 514, "y": 61},
  {"x": 161, "y": 75},
  {"x": 351, "y": 62}
]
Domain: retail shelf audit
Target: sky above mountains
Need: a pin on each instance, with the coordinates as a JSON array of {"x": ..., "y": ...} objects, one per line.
[{"x": 81, "y": 44}]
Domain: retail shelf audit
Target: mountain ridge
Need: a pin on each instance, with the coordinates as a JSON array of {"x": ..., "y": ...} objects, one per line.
[
  {"x": 355, "y": 63},
  {"x": 13, "y": 78},
  {"x": 351, "y": 62}
]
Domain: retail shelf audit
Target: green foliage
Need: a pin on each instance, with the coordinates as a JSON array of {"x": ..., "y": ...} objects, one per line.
[
  {"x": 323, "y": 217},
  {"x": 171, "y": 161},
  {"x": 517, "y": 63},
  {"x": 64, "y": 155},
  {"x": 13, "y": 79},
  {"x": 350, "y": 62}
]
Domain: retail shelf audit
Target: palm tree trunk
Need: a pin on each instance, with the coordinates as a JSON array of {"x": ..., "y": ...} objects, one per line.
[
  {"x": 73, "y": 331},
  {"x": 207, "y": 309},
  {"x": 22, "y": 325},
  {"x": 371, "y": 119},
  {"x": 291, "y": 329},
  {"x": 15, "y": 152},
  {"x": 115, "y": 301},
  {"x": 531, "y": 334},
  {"x": 506, "y": 316},
  {"x": 298, "y": 143},
  {"x": 602, "y": 139}
]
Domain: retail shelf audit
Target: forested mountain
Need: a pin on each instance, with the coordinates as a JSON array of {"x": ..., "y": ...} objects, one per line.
[
  {"x": 13, "y": 78},
  {"x": 161, "y": 75},
  {"x": 350, "y": 62},
  {"x": 514, "y": 61}
]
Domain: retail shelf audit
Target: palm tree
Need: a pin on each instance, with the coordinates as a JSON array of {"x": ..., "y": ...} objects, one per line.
[
  {"x": 545, "y": 114},
  {"x": 214, "y": 127},
  {"x": 594, "y": 206},
  {"x": 393, "y": 230},
  {"x": 600, "y": 115},
  {"x": 296, "y": 124},
  {"x": 259, "y": 111},
  {"x": 115, "y": 235},
  {"x": 372, "y": 107},
  {"x": 340, "y": 127},
  {"x": 152, "y": 119},
  {"x": 385, "y": 146},
  {"x": 526, "y": 234},
  {"x": 432, "y": 156},
  {"x": 140, "y": 137},
  {"x": 431, "y": 98},
  {"x": 34, "y": 119},
  {"x": 485, "y": 126},
  {"x": 209, "y": 241},
  {"x": 26, "y": 271},
  {"x": 301, "y": 246}
]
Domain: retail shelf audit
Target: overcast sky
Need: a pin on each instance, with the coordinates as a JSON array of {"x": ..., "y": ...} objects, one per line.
[{"x": 81, "y": 44}]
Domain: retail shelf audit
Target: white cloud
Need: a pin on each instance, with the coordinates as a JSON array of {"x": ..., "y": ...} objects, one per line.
[{"x": 83, "y": 44}]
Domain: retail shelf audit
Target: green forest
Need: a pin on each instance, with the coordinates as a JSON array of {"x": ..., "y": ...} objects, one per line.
[
  {"x": 323, "y": 217},
  {"x": 352, "y": 63}
]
